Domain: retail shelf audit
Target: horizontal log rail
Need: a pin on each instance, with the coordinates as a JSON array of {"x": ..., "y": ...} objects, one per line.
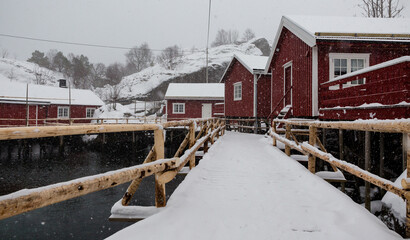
[
  {"x": 391, "y": 126},
  {"x": 26, "y": 200},
  {"x": 155, "y": 164}
]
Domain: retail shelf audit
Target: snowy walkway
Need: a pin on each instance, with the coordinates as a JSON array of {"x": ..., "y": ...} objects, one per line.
[{"x": 244, "y": 188}]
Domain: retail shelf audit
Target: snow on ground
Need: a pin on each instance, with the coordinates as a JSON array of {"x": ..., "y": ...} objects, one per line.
[
  {"x": 21, "y": 71},
  {"x": 396, "y": 203},
  {"x": 110, "y": 114},
  {"x": 244, "y": 188},
  {"x": 143, "y": 82}
]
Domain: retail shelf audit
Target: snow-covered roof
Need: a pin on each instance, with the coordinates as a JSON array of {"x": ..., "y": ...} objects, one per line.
[
  {"x": 254, "y": 64},
  {"x": 312, "y": 28},
  {"x": 16, "y": 92},
  {"x": 251, "y": 62},
  {"x": 211, "y": 91}
]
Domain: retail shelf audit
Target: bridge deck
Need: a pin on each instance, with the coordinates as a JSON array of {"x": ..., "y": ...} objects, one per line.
[{"x": 244, "y": 188}]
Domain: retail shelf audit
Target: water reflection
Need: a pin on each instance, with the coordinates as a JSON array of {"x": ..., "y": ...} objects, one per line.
[{"x": 84, "y": 217}]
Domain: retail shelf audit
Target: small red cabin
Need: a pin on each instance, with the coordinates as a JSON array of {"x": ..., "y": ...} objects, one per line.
[
  {"x": 194, "y": 100},
  {"x": 247, "y": 89},
  {"x": 310, "y": 51},
  {"x": 44, "y": 104}
]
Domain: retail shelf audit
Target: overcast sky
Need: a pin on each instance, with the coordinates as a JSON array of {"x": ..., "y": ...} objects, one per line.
[{"x": 160, "y": 23}]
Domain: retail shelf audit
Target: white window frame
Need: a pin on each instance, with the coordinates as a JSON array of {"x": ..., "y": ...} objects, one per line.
[
  {"x": 175, "y": 106},
  {"x": 62, "y": 109},
  {"x": 349, "y": 57},
  {"x": 87, "y": 111},
  {"x": 235, "y": 96}
]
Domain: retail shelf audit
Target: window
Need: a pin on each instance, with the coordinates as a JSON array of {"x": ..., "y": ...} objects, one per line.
[
  {"x": 178, "y": 108},
  {"x": 90, "y": 112},
  {"x": 237, "y": 91},
  {"x": 63, "y": 112},
  {"x": 343, "y": 63}
]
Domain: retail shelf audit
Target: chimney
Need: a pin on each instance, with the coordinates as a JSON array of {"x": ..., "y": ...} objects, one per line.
[{"x": 62, "y": 83}]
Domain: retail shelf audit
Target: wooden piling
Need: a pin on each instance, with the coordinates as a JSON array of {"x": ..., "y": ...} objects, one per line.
[
  {"x": 160, "y": 197},
  {"x": 367, "y": 168},
  {"x": 287, "y": 134},
  {"x": 407, "y": 147},
  {"x": 274, "y": 130},
  {"x": 341, "y": 144},
  {"x": 312, "y": 141},
  {"x": 191, "y": 144}
]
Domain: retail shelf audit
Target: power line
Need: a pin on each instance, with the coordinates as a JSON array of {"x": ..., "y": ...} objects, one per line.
[{"x": 79, "y": 44}]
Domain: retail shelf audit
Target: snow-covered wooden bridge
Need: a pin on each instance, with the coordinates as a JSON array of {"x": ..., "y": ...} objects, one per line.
[{"x": 244, "y": 188}]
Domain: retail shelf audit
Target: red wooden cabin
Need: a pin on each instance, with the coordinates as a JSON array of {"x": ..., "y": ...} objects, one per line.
[
  {"x": 44, "y": 105},
  {"x": 310, "y": 51},
  {"x": 194, "y": 100},
  {"x": 247, "y": 88}
]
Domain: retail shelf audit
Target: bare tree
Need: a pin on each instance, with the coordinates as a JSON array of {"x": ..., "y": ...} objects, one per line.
[
  {"x": 11, "y": 75},
  {"x": 43, "y": 75},
  {"x": 139, "y": 58},
  {"x": 248, "y": 35},
  {"x": 381, "y": 8},
  {"x": 170, "y": 57},
  {"x": 4, "y": 53},
  {"x": 98, "y": 73},
  {"x": 224, "y": 37},
  {"x": 51, "y": 54},
  {"x": 114, "y": 95}
]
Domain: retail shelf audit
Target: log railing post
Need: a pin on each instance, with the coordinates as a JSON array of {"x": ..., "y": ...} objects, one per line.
[
  {"x": 406, "y": 145},
  {"x": 312, "y": 141},
  {"x": 192, "y": 143},
  {"x": 367, "y": 168},
  {"x": 287, "y": 135},
  {"x": 274, "y": 130},
  {"x": 160, "y": 198}
]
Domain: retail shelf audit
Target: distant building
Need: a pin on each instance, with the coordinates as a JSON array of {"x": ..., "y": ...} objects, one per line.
[
  {"x": 194, "y": 100},
  {"x": 320, "y": 68},
  {"x": 46, "y": 104},
  {"x": 247, "y": 88}
]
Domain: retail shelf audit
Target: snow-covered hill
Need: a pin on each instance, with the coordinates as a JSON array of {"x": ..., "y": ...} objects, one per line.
[
  {"x": 26, "y": 72},
  {"x": 141, "y": 83}
]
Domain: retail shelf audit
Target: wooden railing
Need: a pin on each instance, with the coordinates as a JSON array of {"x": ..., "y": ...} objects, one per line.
[
  {"x": 310, "y": 149},
  {"x": 18, "y": 122},
  {"x": 155, "y": 163}
]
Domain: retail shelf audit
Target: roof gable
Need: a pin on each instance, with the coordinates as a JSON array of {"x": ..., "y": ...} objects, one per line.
[
  {"x": 254, "y": 64},
  {"x": 312, "y": 28}
]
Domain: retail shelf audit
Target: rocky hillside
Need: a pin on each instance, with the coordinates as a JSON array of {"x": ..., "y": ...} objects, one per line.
[{"x": 151, "y": 83}]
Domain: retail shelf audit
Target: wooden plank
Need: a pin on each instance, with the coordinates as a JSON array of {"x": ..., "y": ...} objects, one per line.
[
  {"x": 274, "y": 130},
  {"x": 17, "y": 203}
]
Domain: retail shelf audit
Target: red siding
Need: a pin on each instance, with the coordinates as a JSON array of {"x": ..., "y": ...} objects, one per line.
[
  {"x": 379, "y": 52},
  {"x": 18, "y": 111},
  {"x": 244, "y": 107},
  {"x": 264, "y": 98},
  {"x": 291, "y": 48},
  {"x": 193, "y": 109},
  {"x": 387, "y": 86}
]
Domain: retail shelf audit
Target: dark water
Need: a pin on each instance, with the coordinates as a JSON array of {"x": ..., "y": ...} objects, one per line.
[{"x": 84, "y": 217}]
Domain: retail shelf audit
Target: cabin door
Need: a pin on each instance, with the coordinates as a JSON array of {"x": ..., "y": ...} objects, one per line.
[
  {"x": 288, "y": 84},
  {"x": 206, "y": 110}
]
